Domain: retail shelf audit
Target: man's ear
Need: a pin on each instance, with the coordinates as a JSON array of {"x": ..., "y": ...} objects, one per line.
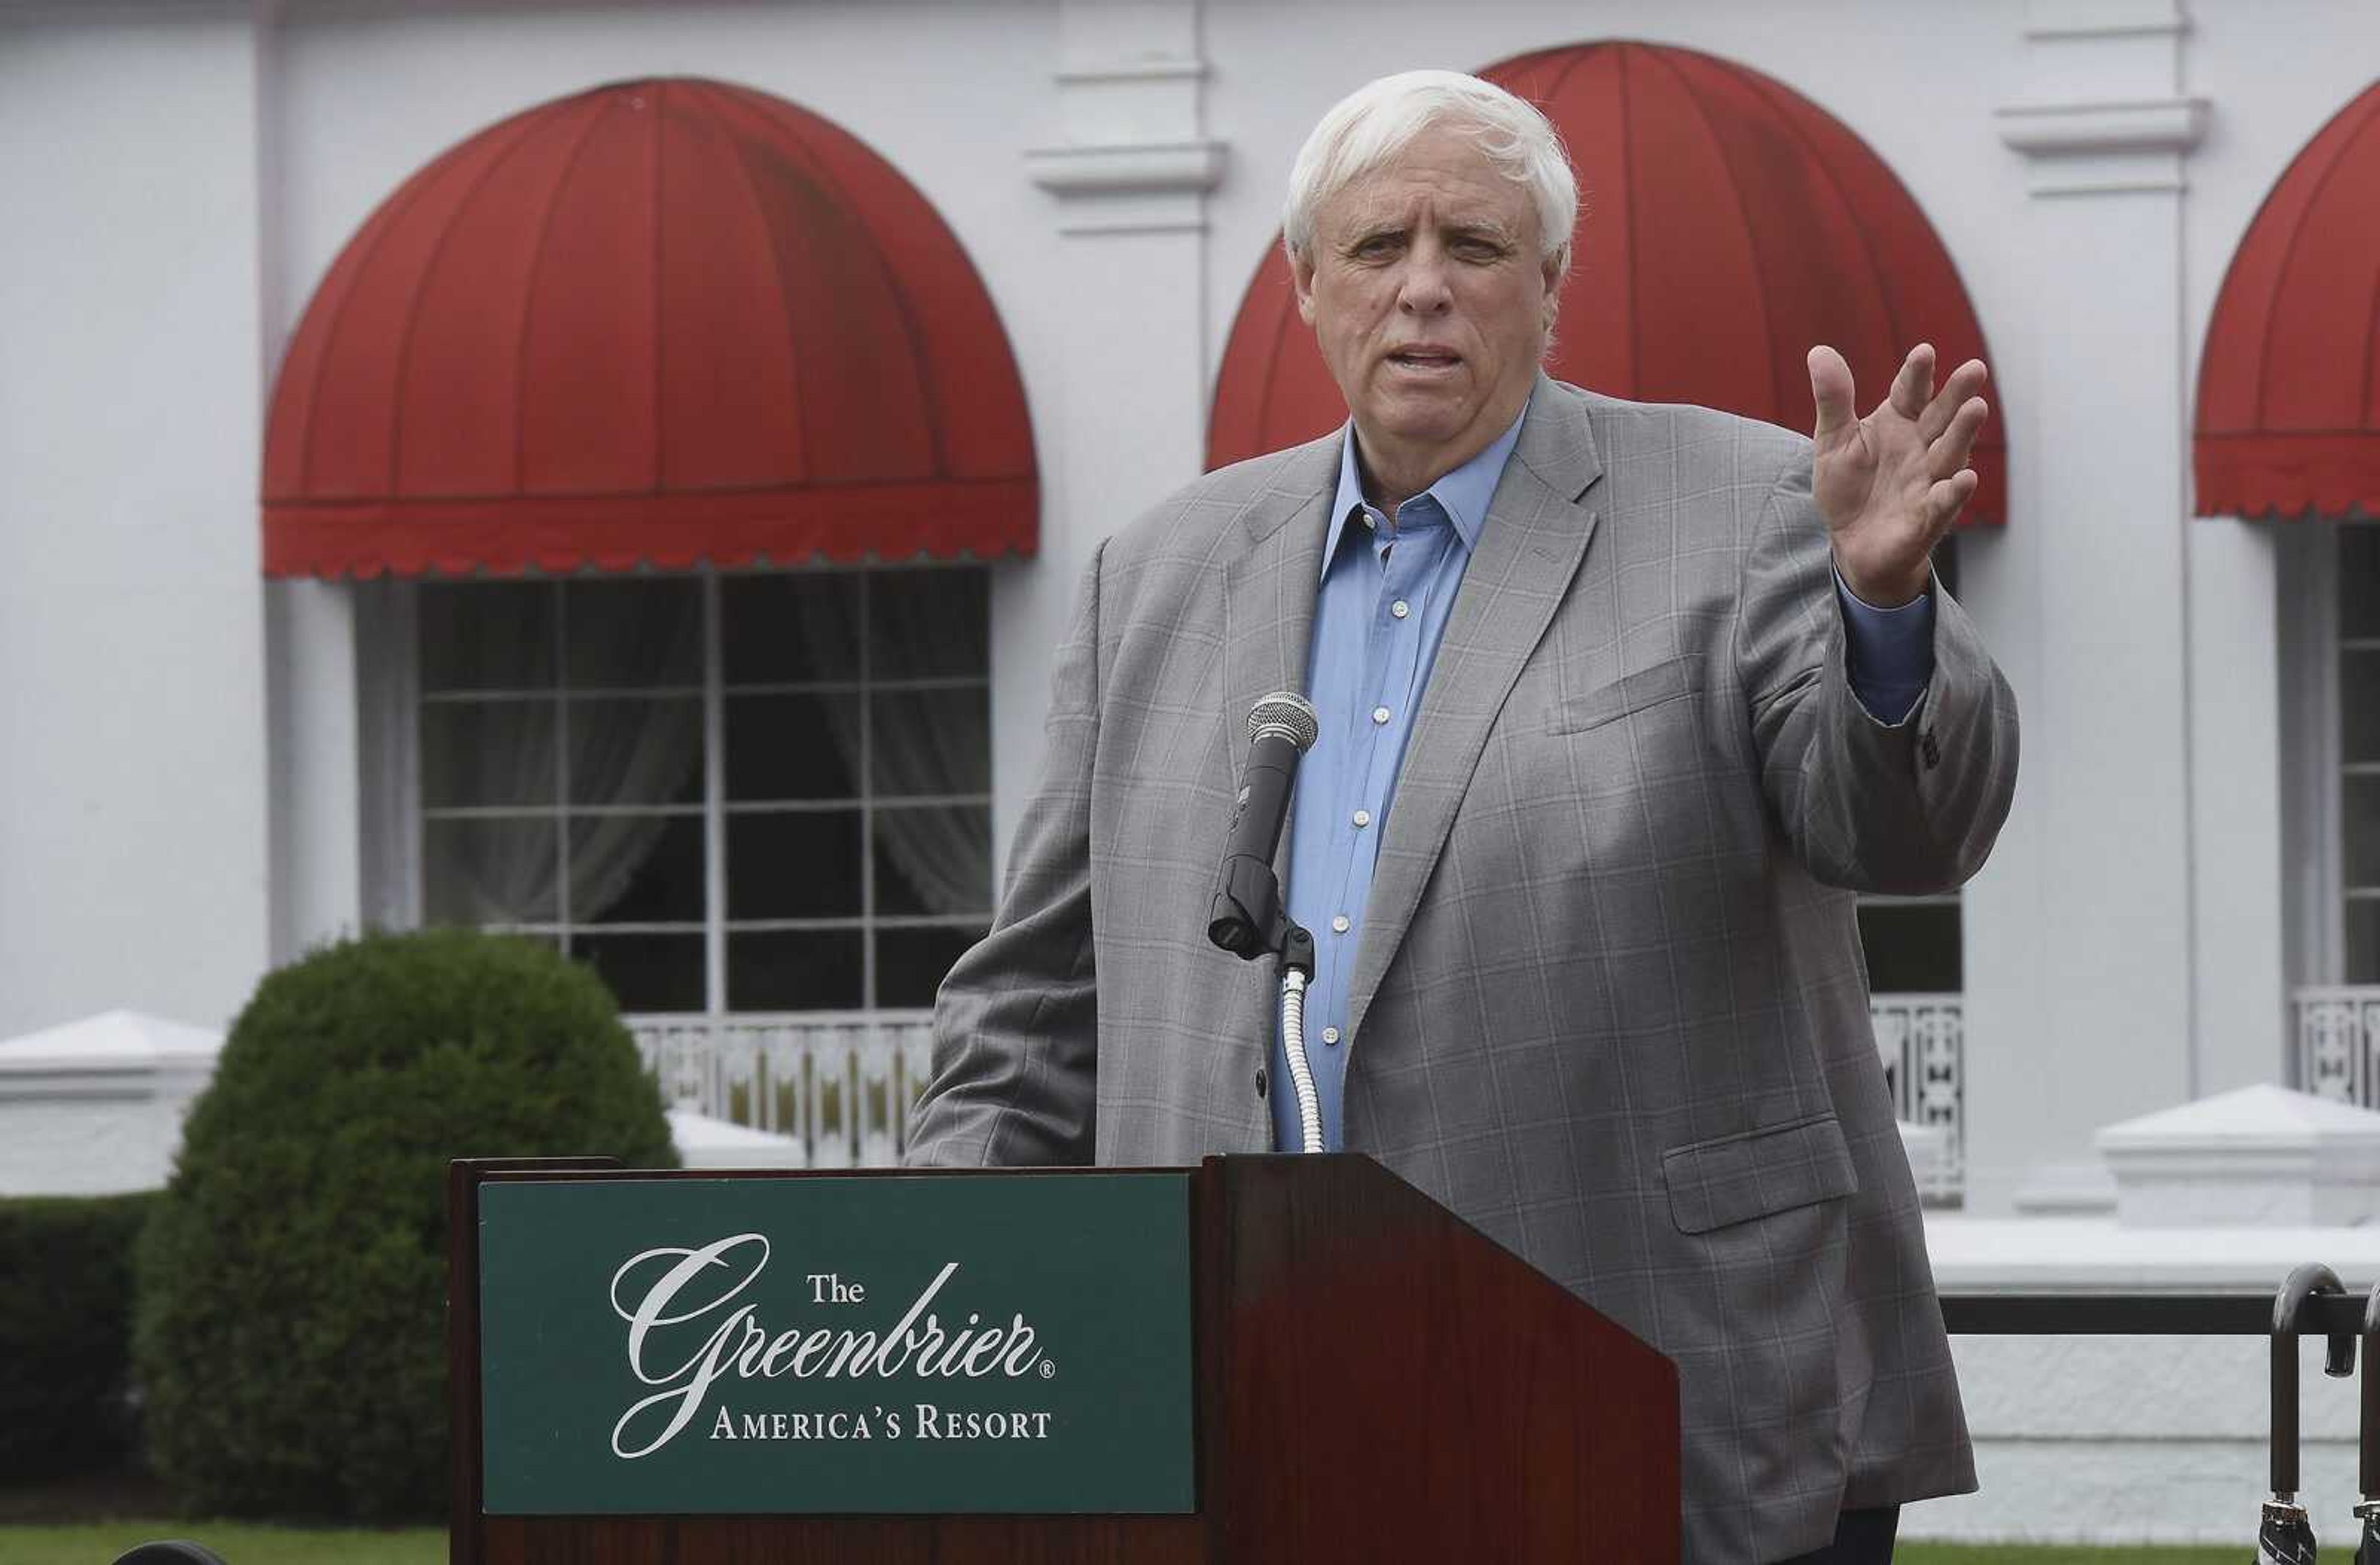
[
  {"x": 1557, "y": 268},
  {"x": 1301, "y": 278}
]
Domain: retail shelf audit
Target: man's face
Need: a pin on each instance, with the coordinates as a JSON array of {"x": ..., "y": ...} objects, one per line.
[{"x": 1426, "y": 288}]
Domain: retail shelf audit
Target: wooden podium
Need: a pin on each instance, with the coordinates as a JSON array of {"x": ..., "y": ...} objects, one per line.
[{"x": 1371, "y": 1379}]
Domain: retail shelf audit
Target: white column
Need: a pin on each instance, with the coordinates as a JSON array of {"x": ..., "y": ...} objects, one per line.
[
  {"x": 309, "y": 627},
  {"x": 2080, "y": 993},
  {"x": 2237, "y": 907},
  {"x": 1127, "y": 185},
  {"x": 317, "y": 832}
]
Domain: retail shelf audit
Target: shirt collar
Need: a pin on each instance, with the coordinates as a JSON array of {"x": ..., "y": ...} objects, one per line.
[{"x": 1463, "y": 493}]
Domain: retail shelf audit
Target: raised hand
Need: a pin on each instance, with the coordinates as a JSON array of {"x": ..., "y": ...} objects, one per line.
[{"x": 1889, "y": 485}]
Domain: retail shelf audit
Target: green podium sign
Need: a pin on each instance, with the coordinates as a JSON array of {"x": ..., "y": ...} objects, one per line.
[{"x": 822, "y": 1345}]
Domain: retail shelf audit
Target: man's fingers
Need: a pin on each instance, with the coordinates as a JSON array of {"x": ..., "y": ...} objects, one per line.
[
  {"x": 1831, "y": 389},
  {"x": 1912, "y": 388},
  {"x": 1946, "y": 499},
  {"x": 1964, "y": 382},
  {"x": 1956, "y": 443}
]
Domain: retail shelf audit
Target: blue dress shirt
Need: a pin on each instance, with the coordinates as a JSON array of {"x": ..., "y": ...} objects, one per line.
[{"x": 1386, "y": 591}]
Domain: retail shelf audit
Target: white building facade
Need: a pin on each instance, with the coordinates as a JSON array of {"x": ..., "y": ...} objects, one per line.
[{"x": 768, "y": 797}]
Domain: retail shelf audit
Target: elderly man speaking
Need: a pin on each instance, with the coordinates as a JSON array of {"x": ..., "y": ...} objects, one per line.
[{"x": 1619, "y": 705}]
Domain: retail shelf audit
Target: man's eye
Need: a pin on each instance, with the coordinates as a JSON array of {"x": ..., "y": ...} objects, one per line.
[{"x": 1376, "y": 246}]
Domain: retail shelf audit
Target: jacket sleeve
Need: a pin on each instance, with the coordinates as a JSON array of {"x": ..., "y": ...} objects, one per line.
[
  {"x": 1907, "y": 807},
  {"x": 1016, "y": 1022}
]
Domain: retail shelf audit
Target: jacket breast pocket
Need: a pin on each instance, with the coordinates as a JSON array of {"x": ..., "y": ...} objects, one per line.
[
  {"x": 1757, "y": 1173},
  {"x": 1664, "y": 682}
]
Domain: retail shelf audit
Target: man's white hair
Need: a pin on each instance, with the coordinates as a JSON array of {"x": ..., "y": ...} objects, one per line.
[{"x": 1379, "y": 120}]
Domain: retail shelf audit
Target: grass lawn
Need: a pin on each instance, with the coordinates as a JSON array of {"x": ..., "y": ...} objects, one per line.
[
  {"x": 1981, "y": 1554},
  {"x": 240, "y": 1543}
]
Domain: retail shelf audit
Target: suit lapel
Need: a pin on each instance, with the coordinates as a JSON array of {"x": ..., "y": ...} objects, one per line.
[
  {"x": 1269, "y": 591},
  {"x": 1536, "y": 533}
]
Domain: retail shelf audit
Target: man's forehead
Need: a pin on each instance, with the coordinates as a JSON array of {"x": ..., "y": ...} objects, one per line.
[{"x": 1397, "y": 195}]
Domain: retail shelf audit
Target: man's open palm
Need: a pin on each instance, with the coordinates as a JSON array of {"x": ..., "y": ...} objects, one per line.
[{"x": 1889, "y": 485}]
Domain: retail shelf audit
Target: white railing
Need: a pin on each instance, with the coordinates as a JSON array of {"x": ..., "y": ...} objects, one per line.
[
  {"x": 1922, "y": 1039},
  {"x": 840, "y": 1083},
  {"x": 2338, "y": 1035}
]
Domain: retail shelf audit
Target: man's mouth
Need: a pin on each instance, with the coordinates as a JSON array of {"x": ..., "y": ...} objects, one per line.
[{"x": 1425, "y": 359}]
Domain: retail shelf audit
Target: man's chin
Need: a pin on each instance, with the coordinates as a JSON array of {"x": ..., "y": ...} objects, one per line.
[{"x": 1422, "y": 422}]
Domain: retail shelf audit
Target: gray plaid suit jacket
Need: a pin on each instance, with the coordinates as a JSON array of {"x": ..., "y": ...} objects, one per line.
[{"x": 1608, "y": 1003}]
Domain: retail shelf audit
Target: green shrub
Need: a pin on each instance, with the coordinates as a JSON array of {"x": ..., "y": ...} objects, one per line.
[
  {"x": 65, "y": 1331},
  {"x": 291, "y": 1334}
]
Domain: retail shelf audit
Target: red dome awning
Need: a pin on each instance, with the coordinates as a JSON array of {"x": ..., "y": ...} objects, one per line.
[
  {"x": 1727, "y": 224},
  {"x": 656, "y": 323},
  {"x": 2288, "y": 401}
]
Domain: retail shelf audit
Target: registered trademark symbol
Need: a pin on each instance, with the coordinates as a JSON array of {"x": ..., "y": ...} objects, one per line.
[{"x": 1048, "y": 1369}]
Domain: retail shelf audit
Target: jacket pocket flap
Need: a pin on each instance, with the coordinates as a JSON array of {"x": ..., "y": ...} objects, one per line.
[
  {"x": 1630, "y": 693},
  {"x": 1753, "y": 1174}
]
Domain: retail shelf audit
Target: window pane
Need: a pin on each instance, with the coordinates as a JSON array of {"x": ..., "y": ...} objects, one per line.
[
  {"x": 489, "y": 753},
  {"x": 646, "y": 972},
  {"x": 501, "y": 872},
  {"x": 487, "y": 636},
  {"x": 2358, "y": 704},
  {"x": 795, "y": 866},
  {"x": 792, "y": 629},
  {"x": 2363, "y": 941},
  {"x": 792, "y": 748},
  {"x": 1911, "y": 949},
  {"x": 2359, "y": 581},
  {"x": 632, "y": 751},
  {"x": 911, "y": 963},
  {"x": 635, "y": 869},
  {"x": 634, "y": 633},
  {"x": 931, "y": 741},
  {"x": 926, "y": 622},
  {"x": 933, "y": 859},
  {"x": 786, "y": 970},
  {"x": 2359, "y": 822}
]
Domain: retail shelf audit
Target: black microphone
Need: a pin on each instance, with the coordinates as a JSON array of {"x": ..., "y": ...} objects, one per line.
[{"x": 1247, "y": 916}]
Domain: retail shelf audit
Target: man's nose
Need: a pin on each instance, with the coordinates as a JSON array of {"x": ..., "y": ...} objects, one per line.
[{"x": 1424, "y": 290}]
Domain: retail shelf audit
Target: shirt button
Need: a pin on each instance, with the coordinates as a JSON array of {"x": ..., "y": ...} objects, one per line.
[
  {"x": 1339, "y": 924},
  {"x": 1401, "y": 608},
  {"x": 1380, "y": 714},
  {"x": 1363, "y": 817},
  {"x": 1331, "y": 1035}
]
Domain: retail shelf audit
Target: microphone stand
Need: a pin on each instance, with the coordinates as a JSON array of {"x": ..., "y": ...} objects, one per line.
[
  {"x": 1249, "y": 922},
  {"x": 1296, "y": 948},
  {"x": 1247, "y": 919}
]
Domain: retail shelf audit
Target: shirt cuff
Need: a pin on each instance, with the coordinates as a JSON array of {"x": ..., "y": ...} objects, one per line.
[{"x": 1890, "y": 653}]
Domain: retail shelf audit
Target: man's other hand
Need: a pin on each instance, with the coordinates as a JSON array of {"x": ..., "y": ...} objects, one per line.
[{"x": 1889, "y": 485}]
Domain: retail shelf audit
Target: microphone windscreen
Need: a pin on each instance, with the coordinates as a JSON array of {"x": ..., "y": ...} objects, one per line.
[{"x": 1288, "y": 714}]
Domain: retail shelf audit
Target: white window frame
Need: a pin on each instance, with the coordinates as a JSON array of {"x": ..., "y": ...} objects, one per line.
[{"x": 390, "y": 699}]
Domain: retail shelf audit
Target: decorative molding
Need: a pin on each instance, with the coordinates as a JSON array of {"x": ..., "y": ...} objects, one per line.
[
  {"x": 2104, "y": 18},
  {"x": 1159, "y": 169},
  {"x": 2169, "y": 125},
  {"x": 2049, "y": 178},
  {"x": 1132, "y": 70},
  {"x": 2104, "y": 148}
]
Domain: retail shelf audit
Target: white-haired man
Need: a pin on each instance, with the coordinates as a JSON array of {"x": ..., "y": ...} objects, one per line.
[{"x": 1619, "y": 704}]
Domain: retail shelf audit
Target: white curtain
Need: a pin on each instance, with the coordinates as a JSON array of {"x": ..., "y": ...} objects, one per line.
[
  {"x": 943, "y": 746},
  {"x": 620, "y": 751}
]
